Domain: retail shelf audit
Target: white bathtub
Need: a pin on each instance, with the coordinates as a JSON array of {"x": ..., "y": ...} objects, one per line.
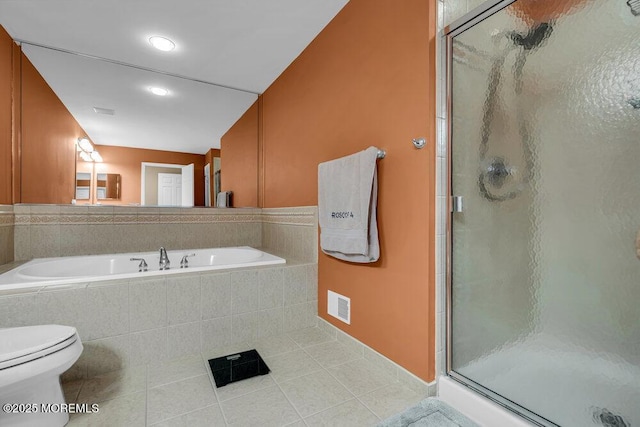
[{"x": 92, "y": 268}]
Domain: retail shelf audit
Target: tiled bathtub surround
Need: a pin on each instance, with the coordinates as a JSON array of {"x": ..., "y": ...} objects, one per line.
[
  {"x": 51, "y": 230},
  {"x": 135, "y": 322},
  {"x": 6, "y": 233},
  {"x": 292, "y": 232}
]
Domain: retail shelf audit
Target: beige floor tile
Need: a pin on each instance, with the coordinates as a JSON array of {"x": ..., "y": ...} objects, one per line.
[
  {"x": 175, "y": 370},
  {"x": 272, "y": 346},
  {"x": 361, "y": 376},
  {"x": 266, "y": 407},
  {"x": 351, "y": 413},
  {"x": 291, "y": 365},
  {"x": 210, "y": 416},
  {"x": 309, "y": 336},
  {"x": 71, "y": 389},
  {"x": 390, "y": 400},
  {"x": 243, "y": 387},
  {"x": 315, "y": 392},
  {"x": 331, "y": 354},
  {"x": 298, "y": 423},
  {"x": 124, "y": 411},
  {"x": 113, "y": 384},
  {"x": 177, "y": 398}
]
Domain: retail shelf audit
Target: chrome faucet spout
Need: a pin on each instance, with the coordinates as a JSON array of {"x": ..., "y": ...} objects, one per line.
[{"x": 164, "y": 259}]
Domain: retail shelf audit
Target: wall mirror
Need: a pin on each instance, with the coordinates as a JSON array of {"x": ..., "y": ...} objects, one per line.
[
  {"x": 242, "y": 46},
  {"x": 108, "y": 186},
  {"x": 118, "y": 109},
  {"x": 83, "y": 186}
]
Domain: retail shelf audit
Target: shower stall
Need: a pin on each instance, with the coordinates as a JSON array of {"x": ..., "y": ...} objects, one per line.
[{"x": 543, "y": 299}]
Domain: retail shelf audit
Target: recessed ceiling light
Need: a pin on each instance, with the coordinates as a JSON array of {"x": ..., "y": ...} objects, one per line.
[
  {"x": 160, "y": 91},
  {"x": 162, "y": 43}
]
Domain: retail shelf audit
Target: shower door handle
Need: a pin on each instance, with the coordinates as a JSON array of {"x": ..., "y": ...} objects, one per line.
[{"x": 456, "y": 204}]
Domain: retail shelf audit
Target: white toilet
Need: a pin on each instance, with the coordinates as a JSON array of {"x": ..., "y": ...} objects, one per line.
[{"x": 32, "y": 358}]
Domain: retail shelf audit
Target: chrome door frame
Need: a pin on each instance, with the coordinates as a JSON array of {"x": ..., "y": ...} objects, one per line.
[{"x": 460, "y": 25}]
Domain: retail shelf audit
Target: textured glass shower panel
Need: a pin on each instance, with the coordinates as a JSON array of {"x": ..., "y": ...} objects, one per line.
[{"x": 546, "y": 155}]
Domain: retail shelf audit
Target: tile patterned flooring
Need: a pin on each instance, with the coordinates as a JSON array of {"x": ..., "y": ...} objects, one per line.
[{"x": 315, "y": 380}]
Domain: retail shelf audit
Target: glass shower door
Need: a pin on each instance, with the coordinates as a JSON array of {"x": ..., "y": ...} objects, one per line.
[{"x": 545, "y": 158}]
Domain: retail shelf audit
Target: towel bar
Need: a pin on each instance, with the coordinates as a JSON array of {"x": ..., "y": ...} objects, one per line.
[{"x": 381, "y": 154}]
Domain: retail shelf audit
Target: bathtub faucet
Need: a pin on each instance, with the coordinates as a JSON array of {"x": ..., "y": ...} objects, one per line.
[
  {"x": 184, "y": 262},
  {"x": 164, "y": 259}
]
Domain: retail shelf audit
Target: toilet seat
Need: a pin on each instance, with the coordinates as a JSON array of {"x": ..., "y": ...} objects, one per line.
[{"x": 24, "y": 344}]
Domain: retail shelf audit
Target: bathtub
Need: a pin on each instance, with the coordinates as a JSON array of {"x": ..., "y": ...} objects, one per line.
[{"x": 93, "y": 268}]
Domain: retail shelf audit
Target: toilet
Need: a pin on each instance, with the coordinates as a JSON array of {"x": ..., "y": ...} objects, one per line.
[{"x": 32, "y": 358}]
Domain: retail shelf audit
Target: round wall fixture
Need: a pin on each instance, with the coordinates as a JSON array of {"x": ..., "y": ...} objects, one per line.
[{"x": 419, "y": 142}]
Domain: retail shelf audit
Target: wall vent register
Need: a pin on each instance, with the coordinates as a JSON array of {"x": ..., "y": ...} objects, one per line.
[{"x": 339, "y": 307}]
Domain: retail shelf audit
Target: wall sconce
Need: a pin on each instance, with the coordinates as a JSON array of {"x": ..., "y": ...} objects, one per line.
[{"x": 87, "y": 151}]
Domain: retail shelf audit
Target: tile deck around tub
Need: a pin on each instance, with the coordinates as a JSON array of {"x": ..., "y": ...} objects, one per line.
[{"x": 314, "y": 381}]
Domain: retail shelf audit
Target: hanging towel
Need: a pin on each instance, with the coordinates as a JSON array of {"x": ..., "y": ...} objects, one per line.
[{"x": 347, "y": 198}]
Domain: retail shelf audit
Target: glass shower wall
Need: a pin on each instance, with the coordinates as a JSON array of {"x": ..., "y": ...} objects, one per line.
[{"x": 545, "y": 152}]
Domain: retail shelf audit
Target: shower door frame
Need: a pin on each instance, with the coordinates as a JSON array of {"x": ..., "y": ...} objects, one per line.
[{"x": 460, "y": 25}]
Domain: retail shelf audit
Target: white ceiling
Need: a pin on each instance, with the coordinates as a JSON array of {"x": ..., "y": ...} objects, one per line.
[{"x": 242, "y": 44}]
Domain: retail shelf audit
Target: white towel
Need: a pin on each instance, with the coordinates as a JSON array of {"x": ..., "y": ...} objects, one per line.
[
  {"x": 224, "y": 199},
  {"x": 347, "y": 198}
]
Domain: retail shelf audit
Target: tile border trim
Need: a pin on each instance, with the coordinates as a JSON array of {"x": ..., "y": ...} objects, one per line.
[
  {"x": 404, "y": 376},
  {"x": 302, "y": 215}
]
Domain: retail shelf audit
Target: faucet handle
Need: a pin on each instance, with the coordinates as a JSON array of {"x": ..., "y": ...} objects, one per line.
[
  {"x": 184, "y": 262},
  {"x": 143, "y": 264}
]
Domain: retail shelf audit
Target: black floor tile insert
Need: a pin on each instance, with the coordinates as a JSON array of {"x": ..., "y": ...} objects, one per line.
[{"x": 237, "y": 367}]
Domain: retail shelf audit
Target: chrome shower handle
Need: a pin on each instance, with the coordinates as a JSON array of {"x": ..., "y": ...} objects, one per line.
[{"x": 143, "y": 264}]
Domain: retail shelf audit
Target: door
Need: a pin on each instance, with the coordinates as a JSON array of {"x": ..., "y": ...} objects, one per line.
[
  {"x": 545, "y": 280},
  {"x": 207, "y": 185},
  {"x": 187, "y": 186},
  {"x": 169, "y": 189}
]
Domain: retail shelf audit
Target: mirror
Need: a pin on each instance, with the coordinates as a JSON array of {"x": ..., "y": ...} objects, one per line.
[
  {"x": 83, "y": 186},
  {"x": 66, "y": 96},
  {"x": 108, "y": 186}
]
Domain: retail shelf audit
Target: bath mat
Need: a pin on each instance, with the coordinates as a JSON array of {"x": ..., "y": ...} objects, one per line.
[
  {"x": 430, "y": 412},
  {"x": 237, "y": 367}
]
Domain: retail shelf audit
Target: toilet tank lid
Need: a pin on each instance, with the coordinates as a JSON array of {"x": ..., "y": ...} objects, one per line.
[{"x": 18, "y": 342}]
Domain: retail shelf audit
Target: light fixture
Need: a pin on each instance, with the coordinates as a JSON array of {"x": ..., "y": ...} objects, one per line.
[
  {"x": 85, "y": 145},
  {"x": 96, "y": 157},
  {"x": 162, "y": 43},
  {"x": 160, "y": 91},
  {"x": 87, "y": 151}
]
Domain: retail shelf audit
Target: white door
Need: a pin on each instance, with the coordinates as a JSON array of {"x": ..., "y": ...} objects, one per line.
[
  {"x": 169, "y": 189},
  {"x": 187, "y": 185},
  {"x": 207, "y": 185}
]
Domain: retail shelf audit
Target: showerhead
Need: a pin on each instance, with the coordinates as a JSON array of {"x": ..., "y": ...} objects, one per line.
[{"x": 535, "y": 36}]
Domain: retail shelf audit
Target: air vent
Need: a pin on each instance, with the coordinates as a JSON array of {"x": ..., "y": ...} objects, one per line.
[
  {"x": 105, "y": 111},
  {"x": 339, "y": 306}
]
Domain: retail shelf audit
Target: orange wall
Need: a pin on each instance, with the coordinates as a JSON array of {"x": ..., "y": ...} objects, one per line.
[
  {"x": 239, "y": 159},
  {"x": 127, "y": 162},
  {"x": 49, "y": 134},
  {"x": 367, "y": 79},
  {"x": 6, "y": 79}
]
